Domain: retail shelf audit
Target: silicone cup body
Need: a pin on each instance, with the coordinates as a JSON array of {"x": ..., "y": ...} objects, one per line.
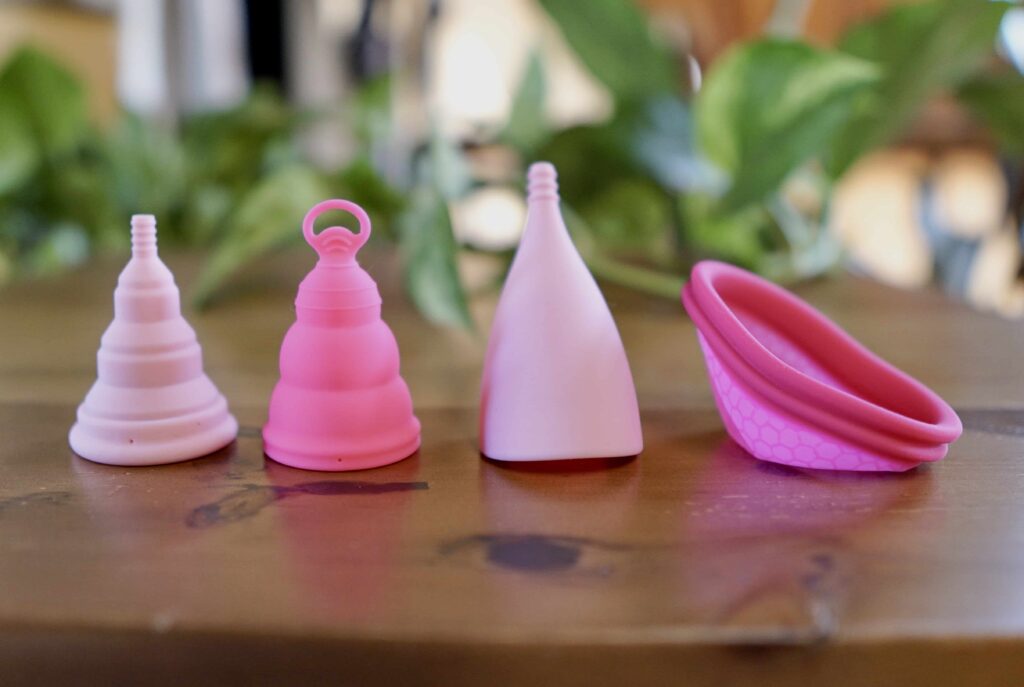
[
  {"x": 556, "y": 382},
  {"x": 794, "y": 388},
  {"x": 151, "y": 402},
  {"x": 340, "y": 403}
]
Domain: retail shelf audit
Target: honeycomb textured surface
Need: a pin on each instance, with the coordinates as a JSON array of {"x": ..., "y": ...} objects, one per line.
[{"x": 771, "y": 435}]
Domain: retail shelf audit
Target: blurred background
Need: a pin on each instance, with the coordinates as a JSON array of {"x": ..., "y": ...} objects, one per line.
[{"x": 794, "y": 137}]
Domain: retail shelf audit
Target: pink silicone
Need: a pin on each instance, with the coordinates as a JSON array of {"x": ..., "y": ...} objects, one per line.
[
  {"x": 341, "y": 403},
  {"x": 151, "y": 402},
  {"x": 794, "y": 388},
  {"x": 556, "y": 382}
]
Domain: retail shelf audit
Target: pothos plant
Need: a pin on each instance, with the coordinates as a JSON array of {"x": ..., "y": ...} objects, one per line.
[{"x": 670, "y": 178}]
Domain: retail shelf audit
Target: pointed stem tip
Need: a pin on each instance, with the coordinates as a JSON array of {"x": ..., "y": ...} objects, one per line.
[
  {"x": 143, "y": 235},
  {"x": 542, "y": 182}
]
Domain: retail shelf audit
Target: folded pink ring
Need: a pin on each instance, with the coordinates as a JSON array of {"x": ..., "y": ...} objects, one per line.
[{"x": 794, "y": 388}]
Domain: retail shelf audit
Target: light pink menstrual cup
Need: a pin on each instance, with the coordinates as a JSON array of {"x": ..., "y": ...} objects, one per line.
[
  {"x": 151, "y": 402},
  {"x": 340, "y": 403},
  {"x": 556, "y": 382},
  {"x": 794, "y": 388}
]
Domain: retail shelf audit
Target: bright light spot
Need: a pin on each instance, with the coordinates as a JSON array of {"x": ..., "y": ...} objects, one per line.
[
  {"x": 477, "y": 59},
  {"x": 970, "y": 193},
  {"x": 696, "y": 78},
  {"x": 876, "y": 216},
  {"x": 1011, "y": 36},
  {"x": 471, "y": 86},
  {"x": 491, "y": 218}
]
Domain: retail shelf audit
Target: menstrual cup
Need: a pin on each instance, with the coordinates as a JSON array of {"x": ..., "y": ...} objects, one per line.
[
  {"x": 794, "y": 388},
  {"x": 556, "y": 382},
  {"x": 151, "y": 402},
  {"x": 340, "y": 403}
]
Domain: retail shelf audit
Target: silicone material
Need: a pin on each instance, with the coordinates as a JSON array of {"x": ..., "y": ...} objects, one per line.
[
  {"x": 794, "y": 388},
  {"x": 340, "y": 403},
  {"x": 556, "y": 382},
  {"x": 151, "y": 403}
]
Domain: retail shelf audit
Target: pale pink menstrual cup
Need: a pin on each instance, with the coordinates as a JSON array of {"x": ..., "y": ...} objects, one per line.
[
  {"x": 794, "y": 388},
  {"x": 340, "y": 403},
  {"x": 151, "y": 402},
  {"x": 556, "y": 382}
]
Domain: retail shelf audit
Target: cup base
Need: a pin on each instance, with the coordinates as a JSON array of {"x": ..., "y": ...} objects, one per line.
[
  {"x": 342, "y": 463},
  {"x": 533, "y": 456},
  {"x": 145, "y": 453}
]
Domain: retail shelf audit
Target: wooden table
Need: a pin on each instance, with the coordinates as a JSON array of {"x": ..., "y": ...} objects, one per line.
[{"x": 693, "y": 564}]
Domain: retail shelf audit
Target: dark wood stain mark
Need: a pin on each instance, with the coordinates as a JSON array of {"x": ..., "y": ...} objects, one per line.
[
  {"x": 236, "y": 506},
  {"x": 531, "y": 553},
  {"x": 253, "y": 498},
  {"x": 1003, "y": 421},
  {"x": 328, "y": 488},
  {"x": 824, "y": 562},
  {"x": 51, "y": 497}
]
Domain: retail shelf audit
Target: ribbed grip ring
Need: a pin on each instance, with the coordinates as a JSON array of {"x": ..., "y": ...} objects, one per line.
[
  {"x": 143, "y": 235},
  {"x": 542, "y": 182}
]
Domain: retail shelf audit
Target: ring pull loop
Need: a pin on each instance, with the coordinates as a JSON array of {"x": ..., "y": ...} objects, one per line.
[{"x": 336, "y": 241}]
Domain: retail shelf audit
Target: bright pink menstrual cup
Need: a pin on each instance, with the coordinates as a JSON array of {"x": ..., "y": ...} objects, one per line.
[
  {"x": 341, "y": 403},
  {"x": 794, "y": 388}
]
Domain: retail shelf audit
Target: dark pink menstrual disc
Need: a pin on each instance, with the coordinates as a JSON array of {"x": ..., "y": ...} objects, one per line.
[{"x": 794, "y": 388}]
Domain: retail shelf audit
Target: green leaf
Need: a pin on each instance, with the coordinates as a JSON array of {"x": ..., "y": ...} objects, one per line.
[
  {"x": 236, "y": 147},
  {"x": 19, "y": 156},
  {"x": 370, "y": 113},
  {"x": 613, "y": 40},
  {"x": 379, "y": 198},
  {"x": 920, "y": 49},
  {"x": 147, "y": 169},
  {"x": 632, "y": 218},
  {"x": 662, "y": 143},
  {"x": 527, "y": 125},
  {"x": 79, "y": 191},
  {"x": 426, "y": 239},
  {"x": 588, "y": 159},
  {"x": 608, "y": 268},
  {"x": 65, "y": 245},
  {"x": 49, "y": 97},
  {"x": 732, "y": 236},
  {"x": 429, "y": 251},
  {"x": 771, "y": 105},
  {"x": 998, "y": 100},
  {"x": 6, "y": 267},
  {"x": 206, "y": 212},
  {"x": 447, "y": 169},
  {"x": 810, "y": 248},
  {"x": 651, "y": 138},
  {"x": 268, "y": 216}
]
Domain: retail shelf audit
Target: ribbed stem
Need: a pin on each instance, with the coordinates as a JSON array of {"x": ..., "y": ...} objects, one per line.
[
  {"x": 542, "y": 182},
  {"x": 143, "y": 236}
]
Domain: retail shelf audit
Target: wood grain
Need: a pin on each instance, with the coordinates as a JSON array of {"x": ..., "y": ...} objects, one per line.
[{"x": 692, "y": 563}]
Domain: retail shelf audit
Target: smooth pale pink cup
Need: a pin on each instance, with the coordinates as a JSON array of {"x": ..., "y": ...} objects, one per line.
[
  {"x": 341, "y": 403},
  {"x": 151, "y": 403},
  {"x": 556, "y": 381},
  {"x": 794, "y": 388}
]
